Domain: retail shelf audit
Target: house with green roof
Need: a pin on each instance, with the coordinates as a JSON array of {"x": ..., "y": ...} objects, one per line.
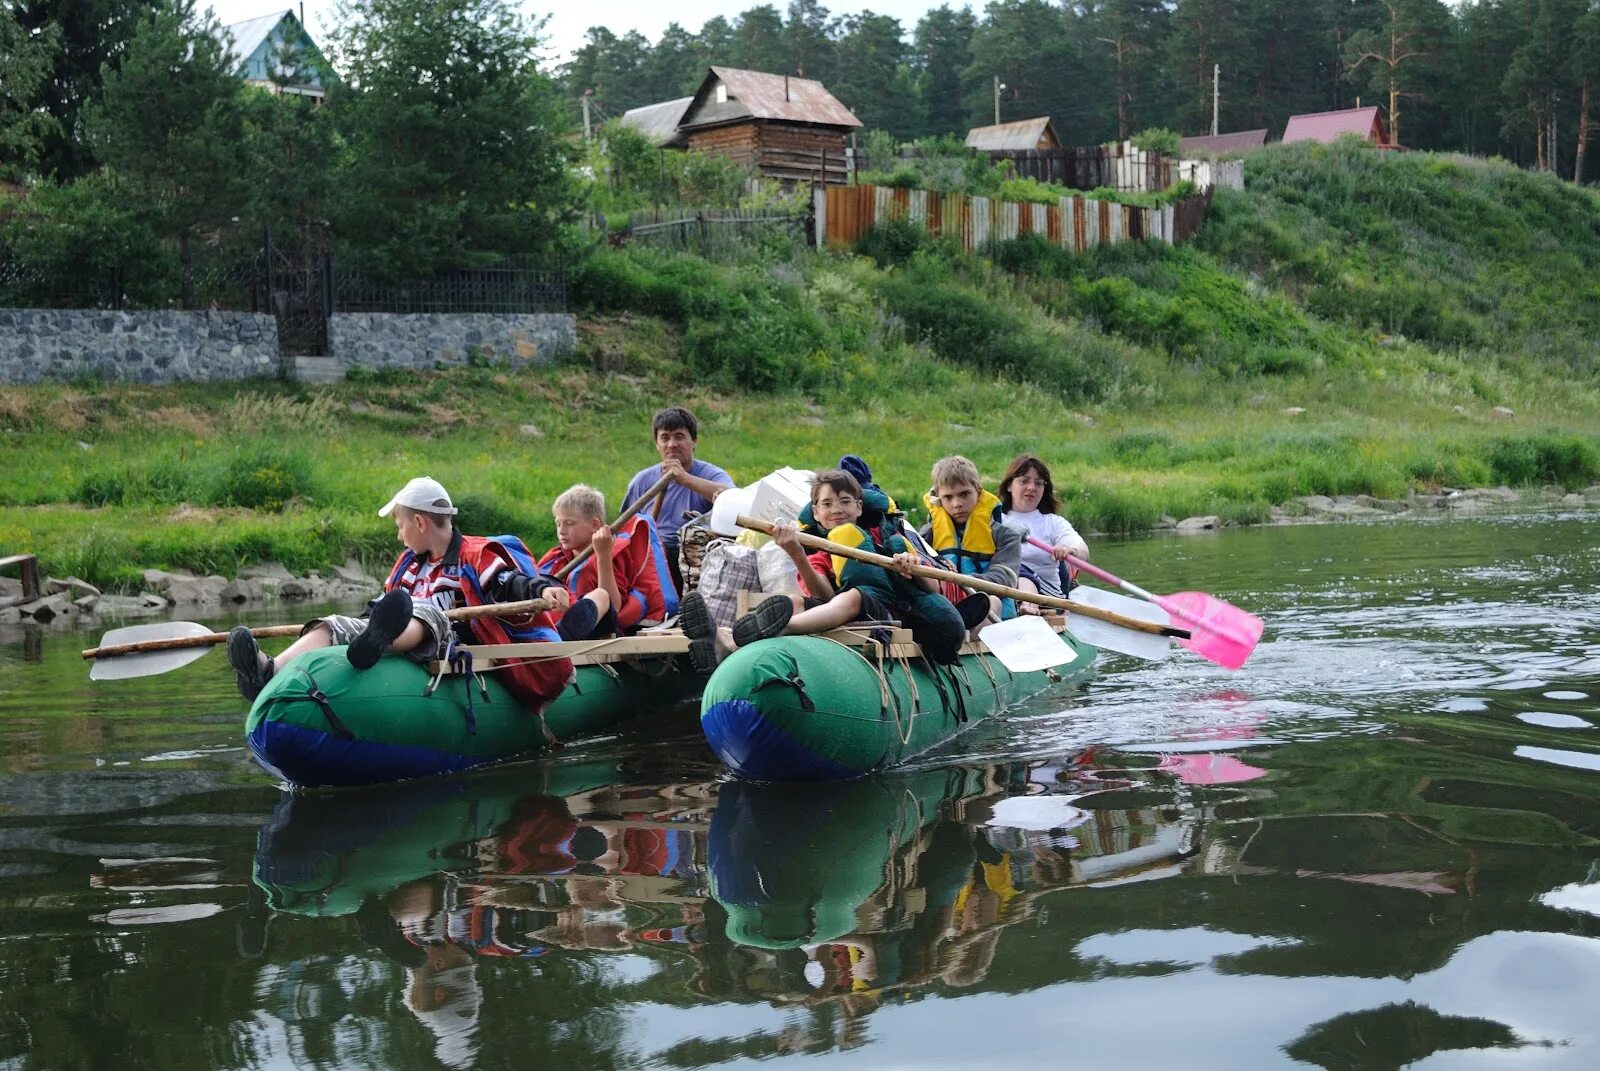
[{"x": 277, "y": 53}]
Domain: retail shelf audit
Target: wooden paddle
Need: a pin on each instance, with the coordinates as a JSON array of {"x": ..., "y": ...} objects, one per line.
[
  {"x": 628, "y": 514},
  {"x": 148, "y": 650},
  {"x": 975, "y": 583}
]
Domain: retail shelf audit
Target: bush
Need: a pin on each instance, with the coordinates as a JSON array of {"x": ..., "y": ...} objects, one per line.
[
  {"x": 1566, "y": 460},
  {"x": 265, "y": 478},
  {"x": 893, "y": 241},
  {"x": 1157, "y": 139},
  {"x": 488, "y": 516}
]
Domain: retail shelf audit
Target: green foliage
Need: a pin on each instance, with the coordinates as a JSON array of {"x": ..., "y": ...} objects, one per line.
[
  {"x": 742, "y": 325},
  {"x": 965, "y": 327},
  {"x": 1569, "y": 461},
  {"x": 1157, "y": 139},
  {"x": 1179, "y": 300},
  {"x": 1443, "y": 250},
  {"x": 263, "y": 478},
  {"x": 452, "y": 153},
  {"x": 893, "y": 241},
  {"x": 26, "y": 60},
  {"x": 485, "y": 515},
  {"x": 631, "y": 173},
  {"x": 169, "y": 121}
]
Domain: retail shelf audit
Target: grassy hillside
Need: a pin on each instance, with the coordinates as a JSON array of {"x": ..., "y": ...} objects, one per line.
[{"x": 1397, "y": 300}]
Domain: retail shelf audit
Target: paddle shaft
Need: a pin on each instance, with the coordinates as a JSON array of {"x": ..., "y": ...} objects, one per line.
[
  {"x": 1096, "y": 572},
  {"x": 461, "y": 613},
  {"x": 645, "y": 499},
  {"x": 975, "y": 583}
]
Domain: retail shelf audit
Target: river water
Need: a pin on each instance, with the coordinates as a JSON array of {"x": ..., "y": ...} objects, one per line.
[{"x": 1377, "y": 845}]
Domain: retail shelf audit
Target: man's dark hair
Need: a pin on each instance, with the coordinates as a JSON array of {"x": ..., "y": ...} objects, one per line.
[{"x": 674, "y": 417}]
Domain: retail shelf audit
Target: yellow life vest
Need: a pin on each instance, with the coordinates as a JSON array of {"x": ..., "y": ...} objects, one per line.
[{"x": 972, "y": 551}]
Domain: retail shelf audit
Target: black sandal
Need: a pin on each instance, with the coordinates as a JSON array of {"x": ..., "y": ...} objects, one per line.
[
  {"x": 251, "y": 669},
  {"x": 390, "y": 616},
  {"x": 767, "y": 620},
  {"x": 694, "y": 617}
]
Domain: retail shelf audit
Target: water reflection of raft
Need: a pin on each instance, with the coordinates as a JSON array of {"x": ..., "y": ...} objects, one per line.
[
  {"x": 835, "y": 707},
  {"x": 320, "y": 722}
]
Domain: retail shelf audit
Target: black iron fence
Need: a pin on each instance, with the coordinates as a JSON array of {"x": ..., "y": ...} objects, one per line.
[{"x": 299, "y": 282}]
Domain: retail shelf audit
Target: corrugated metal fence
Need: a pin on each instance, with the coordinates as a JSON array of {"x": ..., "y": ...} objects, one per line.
[{"x": 845, "y": 213}]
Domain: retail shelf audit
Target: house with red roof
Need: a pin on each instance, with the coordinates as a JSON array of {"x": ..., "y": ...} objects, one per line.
[{"x": 1326, "y": 127}]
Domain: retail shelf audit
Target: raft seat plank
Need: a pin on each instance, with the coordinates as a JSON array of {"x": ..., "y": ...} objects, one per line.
[
  {"x": 657, "y": 644},
  {"x": 582, "y": 652}
]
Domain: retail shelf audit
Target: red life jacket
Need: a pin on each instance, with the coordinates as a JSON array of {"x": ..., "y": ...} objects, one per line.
[
  {"x": 640, "y": 565},
  {"x": 460, "y": 578}
]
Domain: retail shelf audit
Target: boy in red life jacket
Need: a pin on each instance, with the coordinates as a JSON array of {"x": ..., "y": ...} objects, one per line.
[
  {"x": 439, "y": 570},
  {"x": 623, "y": 585}
]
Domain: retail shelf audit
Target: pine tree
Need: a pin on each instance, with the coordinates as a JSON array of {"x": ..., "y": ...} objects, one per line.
[
  {"x": 26, "y": 60},
  {"x": 943, "y": 48},
  {"x": 451, "y": 133}
]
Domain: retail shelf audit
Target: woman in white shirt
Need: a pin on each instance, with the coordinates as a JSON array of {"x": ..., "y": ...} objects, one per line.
[{"x": 1029, "y": 497}]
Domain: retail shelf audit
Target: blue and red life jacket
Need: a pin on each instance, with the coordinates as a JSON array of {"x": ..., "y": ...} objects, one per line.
[
  {"x": 639, "y": 563},
  {"x": 461, "y": 572}
]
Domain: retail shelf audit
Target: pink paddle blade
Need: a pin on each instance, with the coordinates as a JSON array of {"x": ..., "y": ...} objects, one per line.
[{"x": 1221, "y": 632}]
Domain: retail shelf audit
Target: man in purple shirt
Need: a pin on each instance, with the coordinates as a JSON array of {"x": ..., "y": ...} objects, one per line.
[{"x": 695, "y": 483}]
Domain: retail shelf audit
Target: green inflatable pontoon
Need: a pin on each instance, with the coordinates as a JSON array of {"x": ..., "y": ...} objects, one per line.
[
  {"x": 322, "y": 723},
  {"x": 811, "y": 708}
]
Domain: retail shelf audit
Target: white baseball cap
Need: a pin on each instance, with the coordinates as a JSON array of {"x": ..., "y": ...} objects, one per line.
[{"x": 423, "y": 494}]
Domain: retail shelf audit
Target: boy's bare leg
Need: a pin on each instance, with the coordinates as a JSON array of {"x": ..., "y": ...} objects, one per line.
[
  {"x": 842, "y": 609},
  {"x": 311, "y": 641}
]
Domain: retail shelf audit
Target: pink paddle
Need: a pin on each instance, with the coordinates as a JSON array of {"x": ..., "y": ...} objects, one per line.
[{"x": 1219, "y": 631}]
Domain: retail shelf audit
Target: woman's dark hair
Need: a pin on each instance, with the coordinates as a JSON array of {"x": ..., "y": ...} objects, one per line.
[
  {"x": 1021, "y": 465},
  {"x": 674, "y": 417}
]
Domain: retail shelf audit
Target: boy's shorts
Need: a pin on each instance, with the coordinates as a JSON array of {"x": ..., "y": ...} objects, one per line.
[{"x": 345, "y": 629}]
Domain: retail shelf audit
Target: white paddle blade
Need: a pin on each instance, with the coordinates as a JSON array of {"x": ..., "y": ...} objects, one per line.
[
  {"x": 1109, "y": 637},
  {"x": 1026, "y": 644},
  {"x": 147, "y": 663}
]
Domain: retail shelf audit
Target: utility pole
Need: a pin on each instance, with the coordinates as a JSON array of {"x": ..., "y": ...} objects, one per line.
[
  {"x": 998, "y": 86},
  {"x": 1216, "y": 77},
  {"x": 587, "y": 133}
]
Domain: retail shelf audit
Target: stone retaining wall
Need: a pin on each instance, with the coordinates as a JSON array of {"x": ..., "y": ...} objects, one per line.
[
  {"x": 39, "y": 345},
  {"x": 164, "y": 346},
  {"x": 424, "y": 340}
]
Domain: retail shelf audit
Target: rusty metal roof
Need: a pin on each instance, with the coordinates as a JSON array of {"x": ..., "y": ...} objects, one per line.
[
  {"x": 759, "y": 95},
  {"x": 1022, "y": 134},
  {"x": 1218, "y": 144},
  {"x": 1327, "y": 126},
  {"x": 658, "y": 122}
]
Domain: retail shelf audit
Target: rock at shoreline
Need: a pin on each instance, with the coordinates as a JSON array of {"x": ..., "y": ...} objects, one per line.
[
  {"x": 352, "y": 573},
  {"x": 241, "y": 590},
  {"x": 265, "y": 571},
  {"x": 1208, "y": 523},
  {"x": 48, "y": 608}
]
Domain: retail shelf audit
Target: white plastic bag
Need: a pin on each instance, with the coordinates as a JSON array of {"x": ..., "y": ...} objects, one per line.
[{"x": 777, "y": 570}]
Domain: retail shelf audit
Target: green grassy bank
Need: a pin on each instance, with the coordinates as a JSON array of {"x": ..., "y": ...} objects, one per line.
[{"x": 1396, "y": 300}]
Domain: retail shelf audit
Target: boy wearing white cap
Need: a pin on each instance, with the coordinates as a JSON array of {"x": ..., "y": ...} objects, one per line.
[{"x": 439, "y": 570}]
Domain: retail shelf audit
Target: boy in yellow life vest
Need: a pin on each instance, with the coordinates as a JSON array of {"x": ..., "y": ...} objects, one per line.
[
  {"x": 966, "y": 531},
  {"x": 841, "y": 589}
]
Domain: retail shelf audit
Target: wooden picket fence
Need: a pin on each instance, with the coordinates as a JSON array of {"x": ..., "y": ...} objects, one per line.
[{"x": 845, "y": 213}]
